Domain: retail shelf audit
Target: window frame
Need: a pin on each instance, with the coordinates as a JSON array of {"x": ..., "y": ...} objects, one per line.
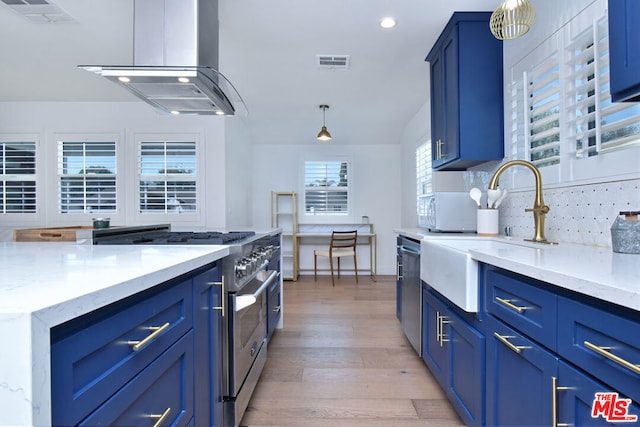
[
  {"x": 20, "y": 218},
  {"x": 192, "y": 218},
  {"x": 54, "y": 216},
  {"x": 327, "y": 218},
  {"x": 571, "y": 170}
]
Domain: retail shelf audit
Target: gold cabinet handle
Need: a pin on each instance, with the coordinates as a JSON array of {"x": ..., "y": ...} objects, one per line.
[
  {"x": 222, "y": 306},
  {"x": 160, "y": 417},
  {"x": 554, "y": 403},
  {"x": 157, "y": 330},
  {"x": 505, "y": 340},
  {"x": 441, "y": 321},
  {"x": 604, "y": 351},
  {"x": 507, "y": 303}
]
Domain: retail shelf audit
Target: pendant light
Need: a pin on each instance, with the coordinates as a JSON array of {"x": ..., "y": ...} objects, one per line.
[
  {"x": 324, "y": 134},
  {"x": 512, "y": 19}
]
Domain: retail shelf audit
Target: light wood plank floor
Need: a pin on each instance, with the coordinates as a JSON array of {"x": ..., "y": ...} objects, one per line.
[{"x": 342, "y": 360}]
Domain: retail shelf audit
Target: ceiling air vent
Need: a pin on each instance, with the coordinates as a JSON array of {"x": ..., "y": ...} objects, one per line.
[
  {"x": 334, "y": 62},
  {"x": 40, "y": 11}
]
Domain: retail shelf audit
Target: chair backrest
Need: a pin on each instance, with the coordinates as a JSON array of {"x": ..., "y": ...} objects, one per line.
[{"x": 344, "y": 239}]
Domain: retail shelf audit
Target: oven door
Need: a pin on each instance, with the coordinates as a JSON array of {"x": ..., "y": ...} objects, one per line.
[{"x": 248, "y": 327}]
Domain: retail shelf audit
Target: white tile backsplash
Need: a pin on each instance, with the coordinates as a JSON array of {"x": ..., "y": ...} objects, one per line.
[{"x": 578, "y": 214}]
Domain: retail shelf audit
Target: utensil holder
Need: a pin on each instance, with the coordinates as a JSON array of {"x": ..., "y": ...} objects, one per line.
[{"x": 487, "y": 222}]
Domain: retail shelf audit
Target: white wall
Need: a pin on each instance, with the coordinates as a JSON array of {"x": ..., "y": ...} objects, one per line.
[
  {"x": 374, "y": 179},
  {"x": 45, "y": 119},
  {"x": 416, "y": 133},
  {"x": 238, "y": 166}
]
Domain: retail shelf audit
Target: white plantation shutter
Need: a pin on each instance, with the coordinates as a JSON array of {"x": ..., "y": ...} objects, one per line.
[
  {"x": 542, "y": 129},
  {"x": 597, "y": 125},
  {"x": 167, "y": 176},
  {"x": 17, "y": 177},
  {"x": 86, "y": 176},
  {"x": 326, "y": 188},
  {"x": 424, "y": 176}
]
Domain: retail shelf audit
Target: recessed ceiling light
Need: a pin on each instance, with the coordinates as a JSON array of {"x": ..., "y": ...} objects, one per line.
[
  {"x": 183, "y": 79},
  {"x": 124, "y": 79},
  {"x": 388, "y": 22}
]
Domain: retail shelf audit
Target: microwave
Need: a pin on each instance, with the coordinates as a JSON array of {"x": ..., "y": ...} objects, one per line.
[{"x": 447, "y": 211}]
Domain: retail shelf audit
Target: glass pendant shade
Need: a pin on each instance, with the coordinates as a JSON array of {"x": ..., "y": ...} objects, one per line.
[
  {"x": 324, "y": 134},
  {"x": 512, "y": 19}
]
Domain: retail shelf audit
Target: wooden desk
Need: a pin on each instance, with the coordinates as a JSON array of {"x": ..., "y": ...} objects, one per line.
[{"x": 320, "y": 234}]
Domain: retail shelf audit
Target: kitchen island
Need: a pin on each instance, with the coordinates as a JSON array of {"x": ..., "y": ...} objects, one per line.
[{"x": 44, "y": 285}]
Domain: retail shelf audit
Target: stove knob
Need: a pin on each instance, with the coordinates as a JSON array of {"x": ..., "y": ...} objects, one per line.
[{"x": 241, "y": 269}]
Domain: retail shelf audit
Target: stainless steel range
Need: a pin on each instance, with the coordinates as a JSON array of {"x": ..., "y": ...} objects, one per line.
[{"x": 252, "y": 296}]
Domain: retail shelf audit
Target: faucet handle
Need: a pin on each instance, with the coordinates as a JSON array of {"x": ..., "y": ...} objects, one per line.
[{"x": 544, "y": 209}]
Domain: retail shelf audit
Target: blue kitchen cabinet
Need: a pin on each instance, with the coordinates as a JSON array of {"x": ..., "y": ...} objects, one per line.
[
  {"x": 519, "y": 376},
  {"x": 454, "y": 351},
  {"x": 398, "y": 278},
  {"x": 208, "y": 312},
  {"x": 467, "y": 114},
  {"x": 434, "y": 353},
  {"x": 576, "y": 392},
  {"x": 547, "y": 343},
  {"x": 93, "y": 357},
  {"x": 162, "y": 394},
  {"x": 274, "y": 306},
  {"x": 624, "y": 50}
]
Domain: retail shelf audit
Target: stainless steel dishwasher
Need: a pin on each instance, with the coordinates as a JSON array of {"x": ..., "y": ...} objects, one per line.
[{"x": 410, "y": 291}]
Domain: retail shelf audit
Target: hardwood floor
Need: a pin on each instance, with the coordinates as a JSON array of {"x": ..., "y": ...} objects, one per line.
[{"x": 342, "y": 360}]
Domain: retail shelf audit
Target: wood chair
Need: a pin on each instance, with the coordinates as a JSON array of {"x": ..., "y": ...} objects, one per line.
[{"x": 343, "y": 243}]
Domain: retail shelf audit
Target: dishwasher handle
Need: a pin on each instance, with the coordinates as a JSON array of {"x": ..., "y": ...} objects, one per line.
[{"x": 409, "y": 251}]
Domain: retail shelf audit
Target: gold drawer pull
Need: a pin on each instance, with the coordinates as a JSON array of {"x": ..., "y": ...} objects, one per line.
[
  {"x": 507, "y": 302},
  {"x": 160, "y": 418},
  {"x": 157, "y": 330},
  {"x": 604, "y": 351},
  {"x": 505, "y": 340},
  {"x": 555, "y": 388}
]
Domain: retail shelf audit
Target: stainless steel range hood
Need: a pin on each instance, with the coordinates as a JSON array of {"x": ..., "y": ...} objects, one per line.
[{"x": 175, "y": 59}]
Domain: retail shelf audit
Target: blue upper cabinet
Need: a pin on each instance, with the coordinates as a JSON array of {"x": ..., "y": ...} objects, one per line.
[
  {"x": 467, "y": 114},
  {"x": 624, "y": 50}
]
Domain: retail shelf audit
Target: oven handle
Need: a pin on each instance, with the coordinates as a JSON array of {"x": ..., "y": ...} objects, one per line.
[{"x": 244, "y": 301}]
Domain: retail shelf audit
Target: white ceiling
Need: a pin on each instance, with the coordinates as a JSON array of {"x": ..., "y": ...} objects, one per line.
[{"x": 268, "y": 51}]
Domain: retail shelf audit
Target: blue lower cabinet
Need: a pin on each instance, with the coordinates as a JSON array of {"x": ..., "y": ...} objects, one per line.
[
  {"x": 519, "y": 375},
  {"x": 434, "y": 353},
  {"x": 274, "y": 307},
  {"x": 454, "y": 351},
  {"x": 208, "y": 346},
  {"x": 164, "y": 389},
  {"x": 95, "y": 355},
  {"x": 583, "y": 401}
]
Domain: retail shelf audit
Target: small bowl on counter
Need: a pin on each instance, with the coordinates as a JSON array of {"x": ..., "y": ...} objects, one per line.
[{"x": 100, "y": 223}]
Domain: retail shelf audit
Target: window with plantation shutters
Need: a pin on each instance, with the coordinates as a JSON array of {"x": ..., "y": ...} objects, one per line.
[
  {"x": 167, "y": 176},
  {"x": 424, "y": 174},
  {"x": 536, "y": 103},
  {"x": 86, "y": 176},
  {"x": 326, "y": 188},
  {"x": 561, "y": 116},
  {"x": 17, "y": 177},
  {"x": 596, "y": 124}
]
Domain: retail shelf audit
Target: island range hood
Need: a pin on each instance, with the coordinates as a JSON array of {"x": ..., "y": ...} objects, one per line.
[{"x": 175, "y": 59}]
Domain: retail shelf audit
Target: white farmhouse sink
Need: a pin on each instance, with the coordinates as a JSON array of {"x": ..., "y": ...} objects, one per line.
[{"x": 446, "y": 265}]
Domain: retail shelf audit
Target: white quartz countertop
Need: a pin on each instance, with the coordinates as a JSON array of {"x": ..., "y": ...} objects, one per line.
[
  {"x": 45, "y": 284},
  {"x": 590, "y": 270}
]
